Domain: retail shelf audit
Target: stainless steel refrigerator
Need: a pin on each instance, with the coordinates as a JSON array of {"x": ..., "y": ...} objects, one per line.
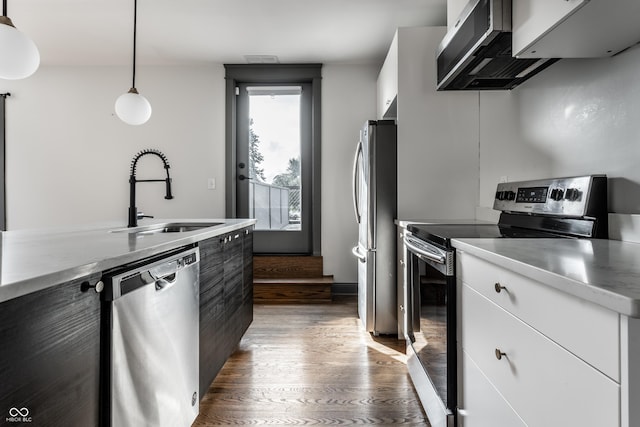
[{"x": 375, "y": 206}]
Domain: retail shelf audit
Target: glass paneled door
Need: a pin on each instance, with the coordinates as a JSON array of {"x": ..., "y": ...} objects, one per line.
[{"x": 273, "y": 169}]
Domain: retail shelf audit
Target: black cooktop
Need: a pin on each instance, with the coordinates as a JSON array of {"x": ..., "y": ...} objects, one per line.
[{"x": 442, "y": 234}]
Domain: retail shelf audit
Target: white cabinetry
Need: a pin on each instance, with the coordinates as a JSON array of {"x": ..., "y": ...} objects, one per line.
[
  {"x": 537, "y": 354},
  {"x": 574, "y": 28},
  {"x": 437, "y": 131},
  {"x": 484, "y": 406},
  {"x": 388, "y": 83}
]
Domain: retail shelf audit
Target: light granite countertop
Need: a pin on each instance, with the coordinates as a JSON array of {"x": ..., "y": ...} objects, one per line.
[
  {"x": 606, "y": 272},
  {"x": 33, "y": 260}
]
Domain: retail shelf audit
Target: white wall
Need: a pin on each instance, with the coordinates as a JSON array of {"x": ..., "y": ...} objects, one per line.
[
  {"x": 348, "y": 100},
  {"x": 437, "y": 135},
  {"x": 576, "y": 117},
  {"x": 68, "y": 155}
]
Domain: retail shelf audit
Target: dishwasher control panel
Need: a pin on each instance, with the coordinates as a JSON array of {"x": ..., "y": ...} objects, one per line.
[
  {"x": 187, "y": 260},
  {"x": 156, "y": 269}
]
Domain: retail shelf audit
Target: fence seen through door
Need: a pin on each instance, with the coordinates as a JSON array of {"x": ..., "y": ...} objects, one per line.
[{"x": 274, "y": 207}]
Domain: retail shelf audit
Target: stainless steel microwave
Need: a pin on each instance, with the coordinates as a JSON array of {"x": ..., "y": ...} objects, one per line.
[{"x": 476, "y": 53}]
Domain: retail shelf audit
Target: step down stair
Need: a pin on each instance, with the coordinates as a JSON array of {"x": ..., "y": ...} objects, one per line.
[{"x": 290, "y": 279}]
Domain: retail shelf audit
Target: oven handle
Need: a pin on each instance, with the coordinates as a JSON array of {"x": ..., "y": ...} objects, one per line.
[{"x": 426, "y": 250}]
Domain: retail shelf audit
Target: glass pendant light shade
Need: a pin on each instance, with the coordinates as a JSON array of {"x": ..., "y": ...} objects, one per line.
[
  {"x": 133, "y": 108},
  {"x": 20, "y": 56}
]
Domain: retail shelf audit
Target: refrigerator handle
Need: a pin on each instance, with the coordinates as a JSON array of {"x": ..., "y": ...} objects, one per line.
[
  {"x": 356, "y": 162},
  {"x": 356, "y": 252}
]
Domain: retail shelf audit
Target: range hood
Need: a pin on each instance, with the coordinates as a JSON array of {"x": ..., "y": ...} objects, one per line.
[{"x": 476, "y": 53}]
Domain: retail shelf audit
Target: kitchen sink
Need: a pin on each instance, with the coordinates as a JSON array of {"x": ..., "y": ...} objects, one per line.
[{"x": 169, "y": 227}]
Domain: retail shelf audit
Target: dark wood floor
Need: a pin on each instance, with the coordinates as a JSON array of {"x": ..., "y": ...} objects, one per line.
[{"x": 310, "y": 365}]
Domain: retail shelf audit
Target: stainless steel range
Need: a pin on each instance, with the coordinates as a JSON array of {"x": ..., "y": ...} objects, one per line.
[{"x": 574, "y": 207}]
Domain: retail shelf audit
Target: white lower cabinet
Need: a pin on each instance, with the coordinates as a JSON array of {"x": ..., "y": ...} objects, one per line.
[
  {"x": 483, "y": 405},
  {"x": 569, "y": 321},
  {"x": 514, "y": 374}
]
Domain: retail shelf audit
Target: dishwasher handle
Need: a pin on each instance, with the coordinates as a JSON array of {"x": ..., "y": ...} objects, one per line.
[
  {"x": 166, "y": 281},
  {"x": 165, "y": 270}
]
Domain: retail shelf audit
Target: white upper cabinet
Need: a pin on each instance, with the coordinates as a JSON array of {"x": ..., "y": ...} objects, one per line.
[
  {"x": 388, "y": 82},
  {"x": 437, "y": 131},
  {"x": 574, "y": 28}
]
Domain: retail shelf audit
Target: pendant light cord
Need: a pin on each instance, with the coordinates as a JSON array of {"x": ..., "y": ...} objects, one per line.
[{"x": 135, "y": 23}]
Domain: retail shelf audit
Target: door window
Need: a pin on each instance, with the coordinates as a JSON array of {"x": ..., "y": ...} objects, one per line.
[{"x": 274, "y": 170}]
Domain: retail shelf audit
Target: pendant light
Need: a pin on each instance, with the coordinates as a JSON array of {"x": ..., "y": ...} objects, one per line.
[
  {"x": 131, "y": 107},
  {"x": 19, "y": 56}
]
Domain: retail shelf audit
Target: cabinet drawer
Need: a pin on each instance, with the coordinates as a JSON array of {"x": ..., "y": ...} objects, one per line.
[
  {"x": 480, "y": 403},
  {"x": 573, "y": 323},
  {"x": 545, "y": 384}
]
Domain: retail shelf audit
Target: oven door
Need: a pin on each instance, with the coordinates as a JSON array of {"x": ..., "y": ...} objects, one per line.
[{"x": 431, "y": 328}]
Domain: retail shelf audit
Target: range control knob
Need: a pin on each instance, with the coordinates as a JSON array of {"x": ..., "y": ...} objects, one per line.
[
  {"x": 500, "y": 195},
  {"x": 509, "y": 195},
  {"x": 573, "y": 194},
  {"x": 557, "y": 194}
]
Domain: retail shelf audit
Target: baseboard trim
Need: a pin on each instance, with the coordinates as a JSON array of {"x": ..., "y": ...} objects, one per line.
[{"x": 344, "y": 289}]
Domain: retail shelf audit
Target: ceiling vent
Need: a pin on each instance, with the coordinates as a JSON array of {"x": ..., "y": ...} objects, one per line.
[{"x": 261, "y": 59}]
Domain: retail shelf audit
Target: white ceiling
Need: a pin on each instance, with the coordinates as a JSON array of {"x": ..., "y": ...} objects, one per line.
[{"x": 100, "y": 32}]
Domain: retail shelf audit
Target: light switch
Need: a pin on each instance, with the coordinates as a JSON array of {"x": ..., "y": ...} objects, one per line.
[{"x": 211, "y": 183}]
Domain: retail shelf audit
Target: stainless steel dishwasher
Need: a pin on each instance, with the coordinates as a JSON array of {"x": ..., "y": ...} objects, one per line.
[{"x": 153, "y": 312}]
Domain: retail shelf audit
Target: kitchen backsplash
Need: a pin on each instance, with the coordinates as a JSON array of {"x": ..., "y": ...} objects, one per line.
[{"x": 580, "y": 116}]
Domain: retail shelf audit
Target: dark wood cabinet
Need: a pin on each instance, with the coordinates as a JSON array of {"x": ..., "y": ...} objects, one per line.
[
  {"x": 50, "y": 356},
  {"x": 226, "y": 271},
  {"x": 233, "y": 270},
  {"x": 212, "y": 312},
  {"x": 247, "y": 279}
]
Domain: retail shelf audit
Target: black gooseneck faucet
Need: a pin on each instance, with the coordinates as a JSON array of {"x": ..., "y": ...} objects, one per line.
[{"x": 133, "y": 210}]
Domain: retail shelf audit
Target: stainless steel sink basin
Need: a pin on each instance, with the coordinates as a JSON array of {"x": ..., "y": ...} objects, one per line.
[{"x": 169, "y": 227}]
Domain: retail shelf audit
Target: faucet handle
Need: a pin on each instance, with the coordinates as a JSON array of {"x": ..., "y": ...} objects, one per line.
[
  {"x": 141, "y": 215},
  {"x": 169, "y": 196}
]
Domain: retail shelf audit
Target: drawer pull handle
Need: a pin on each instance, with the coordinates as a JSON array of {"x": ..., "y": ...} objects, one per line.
[
  {"x": 499, "y": 354},
  {"x": 499, "y": 287},
  {"x": 98, "y": 287}
]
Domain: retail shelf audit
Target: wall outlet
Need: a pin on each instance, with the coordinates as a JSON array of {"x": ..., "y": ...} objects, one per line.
[
  {"x": 211, "y": 184},
  {"x": 504, "y": 178}
]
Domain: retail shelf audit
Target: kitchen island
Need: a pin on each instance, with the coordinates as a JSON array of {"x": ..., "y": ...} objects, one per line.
[
  {"x": 549, "y": 332},
  {"x": 33, "y": 260},
  {"x": 53, "y": 324}
]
